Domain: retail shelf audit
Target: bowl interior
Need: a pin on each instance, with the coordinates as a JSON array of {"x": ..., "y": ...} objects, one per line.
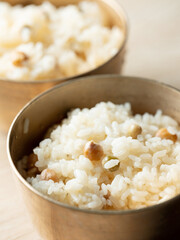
[{"x": 51, "y": 107}]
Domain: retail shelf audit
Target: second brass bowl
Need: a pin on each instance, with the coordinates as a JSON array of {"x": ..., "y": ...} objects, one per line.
[
  {"x": 15, "y": 94},
  {"x": 58, "y": 221}
]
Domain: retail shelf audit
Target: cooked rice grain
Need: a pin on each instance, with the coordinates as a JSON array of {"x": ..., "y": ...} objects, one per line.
[{"x": 149, "y": 171}]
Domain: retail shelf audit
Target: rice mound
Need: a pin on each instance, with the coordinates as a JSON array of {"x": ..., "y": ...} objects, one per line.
[
  {"x": 149, "y": 171},
  {"x": 44, "y": 42}
]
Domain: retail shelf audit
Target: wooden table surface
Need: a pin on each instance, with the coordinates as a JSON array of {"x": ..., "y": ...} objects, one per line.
[{"x": 153, "y": 52}]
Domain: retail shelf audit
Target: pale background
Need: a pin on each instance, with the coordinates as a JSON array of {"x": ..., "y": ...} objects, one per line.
[
  {"x": 153, "y": 52},
  {"x": 154, "y": 39}
]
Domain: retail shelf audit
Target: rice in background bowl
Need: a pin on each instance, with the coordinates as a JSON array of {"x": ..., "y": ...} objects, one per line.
[
  {"x": 44, "y": 42},
  {"x": 15, "y": 92}
]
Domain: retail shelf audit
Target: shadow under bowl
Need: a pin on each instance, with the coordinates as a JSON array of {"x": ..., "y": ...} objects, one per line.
[{"x": 56, "y": 221}]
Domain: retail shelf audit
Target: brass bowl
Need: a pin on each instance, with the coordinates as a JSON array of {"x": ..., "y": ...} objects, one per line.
[
  {"x": 15, "y": 94},
  {"x": 58, "y": 221}
]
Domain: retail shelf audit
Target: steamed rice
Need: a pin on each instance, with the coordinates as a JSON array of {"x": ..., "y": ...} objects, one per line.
[
  {"x": 44, "y": 42},
  {"x": 149, "y": 170}
]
